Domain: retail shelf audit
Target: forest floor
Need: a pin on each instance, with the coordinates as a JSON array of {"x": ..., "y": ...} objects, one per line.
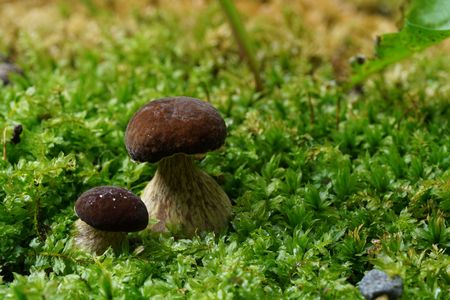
[{"x": 326, "y": 184}]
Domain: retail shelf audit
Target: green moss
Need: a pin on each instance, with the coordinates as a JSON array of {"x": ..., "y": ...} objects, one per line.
[{"x": 314, "y": 206}]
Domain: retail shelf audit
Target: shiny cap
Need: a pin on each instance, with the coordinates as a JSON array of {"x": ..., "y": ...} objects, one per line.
[
  {"x": 110, "y": 208},
  {"x": 168, "y": 126}
]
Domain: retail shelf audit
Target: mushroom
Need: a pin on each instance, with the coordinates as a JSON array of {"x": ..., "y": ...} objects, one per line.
[
  {"x": 106, "y": 214},
  {"x": 170, "y": 131}
]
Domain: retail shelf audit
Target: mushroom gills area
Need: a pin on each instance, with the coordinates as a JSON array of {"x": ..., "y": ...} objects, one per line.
[
  {"x": 97, "y": 241},
  {"x": 184, "y": 199}
]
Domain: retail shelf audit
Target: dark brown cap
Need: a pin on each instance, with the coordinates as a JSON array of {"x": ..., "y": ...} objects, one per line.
[
  {"x": 111, "y": 208},
  {"x": 168, "y": 126}
]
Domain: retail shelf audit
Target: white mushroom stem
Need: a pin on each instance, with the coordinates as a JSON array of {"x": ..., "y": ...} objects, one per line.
[
  {"x": 97, "y": 241},
  {"x": 184, "y": 199}
]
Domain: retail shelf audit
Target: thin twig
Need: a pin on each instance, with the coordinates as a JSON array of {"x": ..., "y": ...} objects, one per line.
[
  {"x": 205, "y": 88},
  {"x": 338, "y": 112},
  {"x": 40, "y": 232},
  {"x": 4, "y": 143},
  {"x": 311, "y": 110},
  {"x": 243, "y": 40}
]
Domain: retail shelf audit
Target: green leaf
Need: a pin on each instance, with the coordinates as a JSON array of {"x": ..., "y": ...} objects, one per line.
[
  {"x": 434, "y": 15},
  {"x": 427, "y": 23}
]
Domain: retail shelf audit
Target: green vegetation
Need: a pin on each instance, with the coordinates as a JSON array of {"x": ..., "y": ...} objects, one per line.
[
  {"x": 314, "y": 206},
  {"x": 427, "y": 22},
  {"x": 242, "y": 39}
]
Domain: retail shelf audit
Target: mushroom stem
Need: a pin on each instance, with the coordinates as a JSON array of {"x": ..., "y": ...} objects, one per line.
[
  {"x": 185, "y": 199},
  {"x": 97, "y": 241}
]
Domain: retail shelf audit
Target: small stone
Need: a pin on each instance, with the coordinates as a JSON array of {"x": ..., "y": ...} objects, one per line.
[
  {"x": 16, "y": 134},
  {"x": 357, "y": 60},
  {"x": 377, "y": 284}
]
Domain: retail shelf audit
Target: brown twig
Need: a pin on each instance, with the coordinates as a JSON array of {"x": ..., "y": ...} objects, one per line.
[
  {"x": 311, "y": 110},
  {"x": 36, "y": 219},
  {"x": 4, "y": 143},
  {"x": 338, "y": 112},
  {"x": 243, "y": 40}
]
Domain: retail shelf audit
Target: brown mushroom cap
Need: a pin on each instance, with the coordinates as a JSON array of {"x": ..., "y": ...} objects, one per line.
[
  {"x": 168, "y": 126},
  {"x": 110, "y": 208}
]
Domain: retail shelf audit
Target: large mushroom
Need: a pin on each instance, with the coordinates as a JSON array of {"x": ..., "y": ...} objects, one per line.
[
  {"x": 106, "y": 214},
  {"x": 183, "y": 198}
]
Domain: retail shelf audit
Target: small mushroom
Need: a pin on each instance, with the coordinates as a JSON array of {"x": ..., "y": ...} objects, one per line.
[
  {"x": 171, "y": 131},
  {"x": 376, "y": 285},
  {"x": 106, "y": 214}
]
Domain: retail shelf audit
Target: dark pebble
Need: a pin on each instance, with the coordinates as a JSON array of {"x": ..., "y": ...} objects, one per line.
[{"x": 16, "y": 134}]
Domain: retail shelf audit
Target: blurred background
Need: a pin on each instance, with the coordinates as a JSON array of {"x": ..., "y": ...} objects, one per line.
[{"x": 318, "y": 31}]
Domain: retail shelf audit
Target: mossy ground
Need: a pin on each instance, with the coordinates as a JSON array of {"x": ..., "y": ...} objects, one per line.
[{"x": 325, "y": 185}]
